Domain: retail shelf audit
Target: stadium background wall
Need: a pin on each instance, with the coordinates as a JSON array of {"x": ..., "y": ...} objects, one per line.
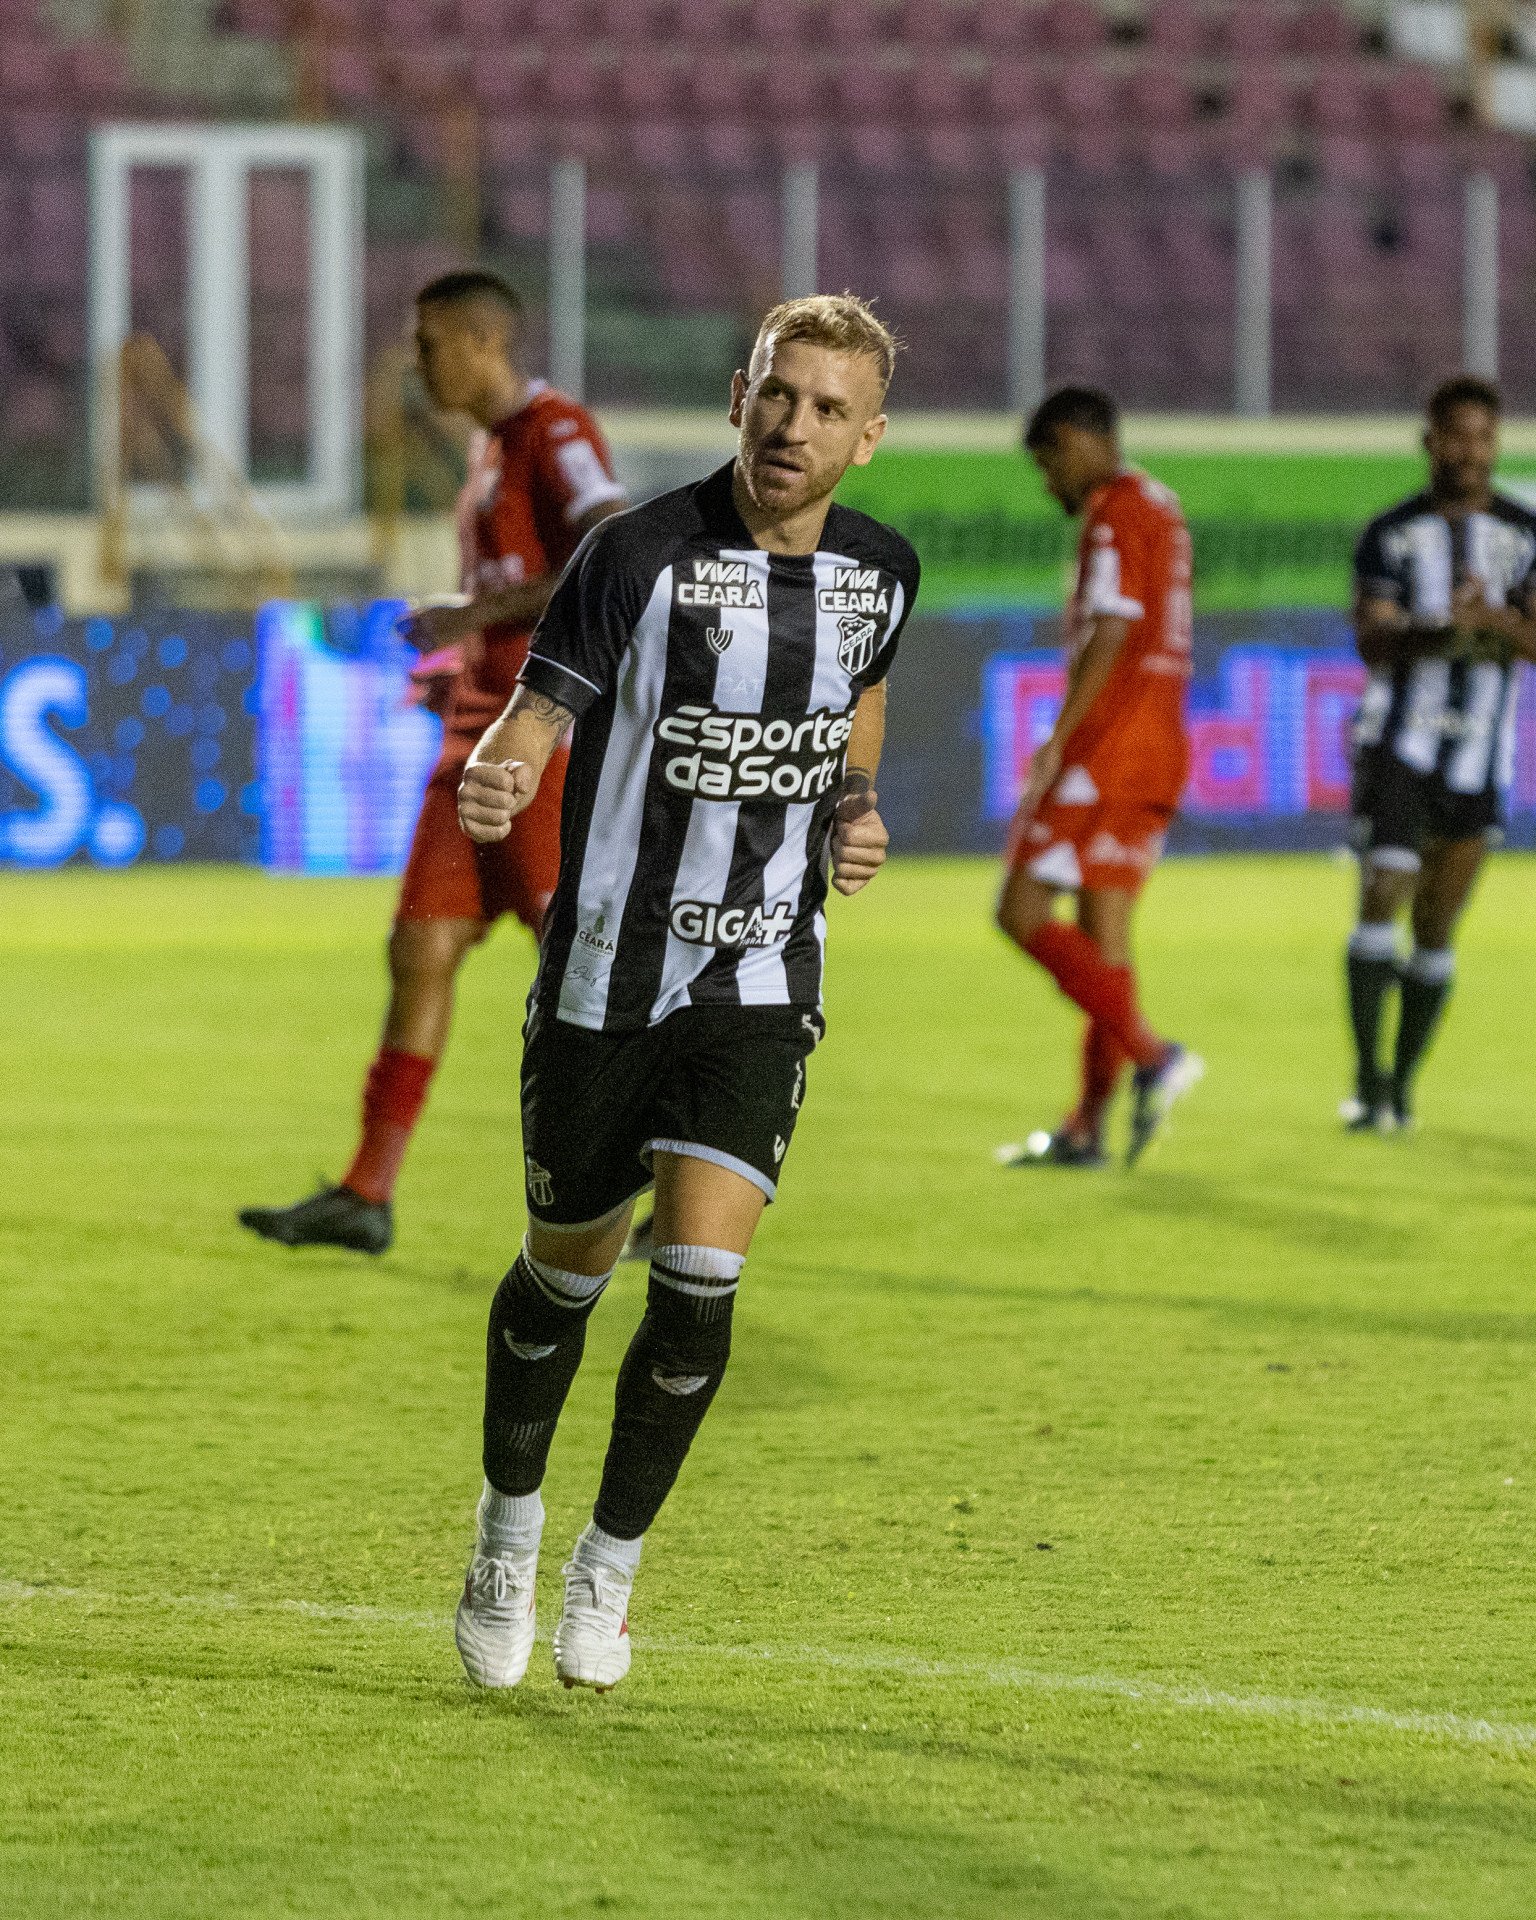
[
  {"x": 1271, "y": 529},
  {"x": 291, "y": 740}
]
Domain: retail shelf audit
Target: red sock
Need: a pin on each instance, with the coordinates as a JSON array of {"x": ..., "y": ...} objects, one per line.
[
  {"x": 392, "y": 1098},
  {"x": 1103, "y": 1058},
  {"x": 1106, "y": 994}
]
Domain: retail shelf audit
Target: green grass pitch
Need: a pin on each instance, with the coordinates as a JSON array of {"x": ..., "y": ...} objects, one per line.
[{"x": 1061, "y": 1546}]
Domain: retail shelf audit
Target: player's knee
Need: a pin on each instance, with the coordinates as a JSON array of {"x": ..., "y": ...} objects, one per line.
[
  {"x": 1014, "y": 919},
  {"x": 1432, "y": 929},
  {"x": 538, "y": 1306},
  {"x": 689, "y": 1304},
  {"x": 430, "y": 949},
  {"x": 1022, "y": 909}
]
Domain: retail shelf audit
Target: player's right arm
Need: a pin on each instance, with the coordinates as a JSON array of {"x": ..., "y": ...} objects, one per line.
[
  {"x": 572, "y": 659},
  {"x": 1386, "y": 633},
  {"x": 506, "y": 767}
]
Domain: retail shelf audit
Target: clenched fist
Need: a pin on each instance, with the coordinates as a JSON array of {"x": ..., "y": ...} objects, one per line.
[
  {"x": 859, "y": 841},
  {"x": 491, "y": 795}
]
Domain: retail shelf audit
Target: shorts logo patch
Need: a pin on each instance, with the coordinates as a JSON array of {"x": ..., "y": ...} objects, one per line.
[
  {"x": 719, "y": 638},
  {"x": 1076, "y": 788},
  {"x": 780, "y": 1148},
  {"x": 541, "y": 1183},
  {"x": 1105, "y": 850},
  {"x": 679, "y": 1383},
  {"x": 856, "y": 647},
  {"x": 799, "y": 1093}
]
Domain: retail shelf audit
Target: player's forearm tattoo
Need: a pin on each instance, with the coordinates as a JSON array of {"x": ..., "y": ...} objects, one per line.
[
  {"x": 548, "y": 712},
  {"x": 856, "y": 788}
]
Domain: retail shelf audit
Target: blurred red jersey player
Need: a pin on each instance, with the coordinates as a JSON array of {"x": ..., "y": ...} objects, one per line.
[
  {"x": 540, "y": 478},
  {"x": 1102, "y": 789}
]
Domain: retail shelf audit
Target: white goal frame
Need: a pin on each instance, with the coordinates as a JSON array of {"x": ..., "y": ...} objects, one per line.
[{"x": 218, "y": 161}]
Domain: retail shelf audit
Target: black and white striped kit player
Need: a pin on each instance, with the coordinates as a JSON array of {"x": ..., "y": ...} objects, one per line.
[
  {"x": 1447, "y": 719},
  {"x": 714, "y": 686}
]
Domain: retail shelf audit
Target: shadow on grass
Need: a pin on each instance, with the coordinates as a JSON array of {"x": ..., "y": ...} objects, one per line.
[{"x": 1515, "y": 1329}]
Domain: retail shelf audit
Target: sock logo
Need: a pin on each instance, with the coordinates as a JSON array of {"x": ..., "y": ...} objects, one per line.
[
  {"x": 679, "y": 1383},
  {"x": 525, "y": 1350}
]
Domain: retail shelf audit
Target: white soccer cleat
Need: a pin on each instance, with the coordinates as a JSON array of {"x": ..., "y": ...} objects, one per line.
[
  {"x": 494, "y": 1626},
  {"x": 592, "y": 1639}
]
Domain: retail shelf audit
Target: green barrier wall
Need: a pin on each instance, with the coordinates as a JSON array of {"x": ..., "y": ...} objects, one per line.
[{"x": 1270, "y": 529}]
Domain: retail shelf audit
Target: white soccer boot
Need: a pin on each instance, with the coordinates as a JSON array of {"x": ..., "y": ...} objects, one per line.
[
  {"x": 592, "y": 1639},
  {"x": 494, "y": 1626}
]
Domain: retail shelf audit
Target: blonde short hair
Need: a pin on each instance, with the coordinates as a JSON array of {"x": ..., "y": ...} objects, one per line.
[{"x": 841, "y": 321}]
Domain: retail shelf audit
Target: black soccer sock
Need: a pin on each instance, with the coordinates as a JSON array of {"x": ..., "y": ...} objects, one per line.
[
  {"x": 1426, "y": 988},
  {"x": 670, "y": 1375},
  {"x": 533, "y": 1346},
  {"x": 1371, "y": 970}
]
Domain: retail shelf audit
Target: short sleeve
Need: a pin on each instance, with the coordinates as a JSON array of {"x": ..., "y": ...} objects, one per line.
[
  {"x": 1115, "y": 564},
  {"x": 575, "y": 466},
  {"x": 907, "y": 578},
  {"x": 576, "y": 648},
  {"x": 1378, "y": 574}
]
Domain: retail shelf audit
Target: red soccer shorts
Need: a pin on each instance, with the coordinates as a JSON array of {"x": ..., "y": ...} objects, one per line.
[
  {"x": 1107, "y": 844},
  {"x": 448, "y": 877}
]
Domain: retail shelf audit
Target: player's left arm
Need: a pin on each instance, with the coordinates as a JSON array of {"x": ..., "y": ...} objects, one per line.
[
  {"x": 859, "y": 836},
  {"x": 521, "y": 604}
]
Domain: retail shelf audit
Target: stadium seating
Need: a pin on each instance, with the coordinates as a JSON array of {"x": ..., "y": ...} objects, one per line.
[{"x": 686, "y": 109}]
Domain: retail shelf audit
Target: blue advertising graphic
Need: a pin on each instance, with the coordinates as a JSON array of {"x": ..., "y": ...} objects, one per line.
[
  {"x": 344, "y": 751},
  {"x": 126, "y": 739},
  {"x": 296, "y": 739}
]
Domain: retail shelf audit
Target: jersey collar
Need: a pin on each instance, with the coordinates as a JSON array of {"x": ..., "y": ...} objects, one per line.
[{"x": 530, "y": 393}]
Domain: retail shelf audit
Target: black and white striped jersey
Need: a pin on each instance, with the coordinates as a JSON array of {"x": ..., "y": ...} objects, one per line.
[
  {"x": 714, "y": 687},
  {"x": 1451, "y": 717}
]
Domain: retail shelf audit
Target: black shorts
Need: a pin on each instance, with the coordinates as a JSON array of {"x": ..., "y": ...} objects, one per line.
[
  {"x": 1400, "y": 810},
  {"x": 720, "y": 1083}
]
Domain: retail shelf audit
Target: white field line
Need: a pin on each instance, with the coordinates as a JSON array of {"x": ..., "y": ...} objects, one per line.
[{"x": 1460, "y": 1729}]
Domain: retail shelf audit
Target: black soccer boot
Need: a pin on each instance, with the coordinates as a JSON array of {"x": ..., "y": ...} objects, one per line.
[
  {"x": 333, "y": 1217},
  {"x": 1059, "y": 1149},
  {"x": 1153, "y": 1092}
]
